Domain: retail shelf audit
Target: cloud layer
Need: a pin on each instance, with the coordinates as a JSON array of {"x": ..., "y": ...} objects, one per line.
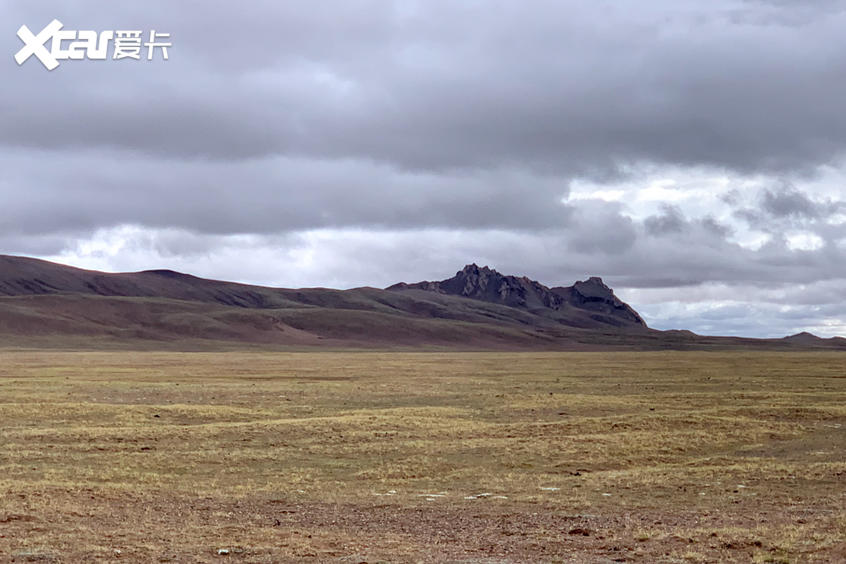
[{"x": 690, "y": 153}]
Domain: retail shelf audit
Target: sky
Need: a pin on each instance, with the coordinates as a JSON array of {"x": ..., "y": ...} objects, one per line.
[{"x": 692, "y": 154}]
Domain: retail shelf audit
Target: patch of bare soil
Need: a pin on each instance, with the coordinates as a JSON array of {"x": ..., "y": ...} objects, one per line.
[{"x": 205, "y": 529}]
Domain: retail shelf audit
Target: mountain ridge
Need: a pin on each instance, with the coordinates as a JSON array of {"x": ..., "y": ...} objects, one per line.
[{"x": 49, "y": 304}]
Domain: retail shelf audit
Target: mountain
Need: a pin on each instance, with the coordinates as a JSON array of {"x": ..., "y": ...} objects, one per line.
[
  {"x": 43, "y": 304},
  {"x": 587, "y": 304},
  {"x": 804, "y": 338},
  {"x": 810, "y": 340}
]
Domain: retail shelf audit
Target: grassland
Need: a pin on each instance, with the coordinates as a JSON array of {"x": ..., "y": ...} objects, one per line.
[{"x": 466, "y": 457}]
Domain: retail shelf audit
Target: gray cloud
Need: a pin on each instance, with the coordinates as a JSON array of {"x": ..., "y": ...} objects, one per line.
[
  {"x": 87, "y": 190},
  {"x": 787, "y": 208},
  {"x": 670, "y": 220},
  {"x": 572, "y": 87},
  {"x": 788, "y": 201},
  {"x": 402, "y": 139}
]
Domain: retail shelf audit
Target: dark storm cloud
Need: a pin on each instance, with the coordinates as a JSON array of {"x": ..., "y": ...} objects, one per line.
[
  {"x": 84, "y": 191},
  {"x": 566, "y": 86}
]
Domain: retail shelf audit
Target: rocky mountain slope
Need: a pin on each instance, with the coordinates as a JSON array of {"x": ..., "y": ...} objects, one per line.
[
  {"x": 586, "y": 303},
  {"x": 44, "y": 304}
]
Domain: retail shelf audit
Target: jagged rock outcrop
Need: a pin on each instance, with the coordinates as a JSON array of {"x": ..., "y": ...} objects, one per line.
[
  {"x": 482, "y": 283},
  {"x": 593, "y": 294}
]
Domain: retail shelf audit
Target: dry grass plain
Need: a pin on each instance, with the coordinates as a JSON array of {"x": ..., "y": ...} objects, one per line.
[{"x": 404, "y": 457}]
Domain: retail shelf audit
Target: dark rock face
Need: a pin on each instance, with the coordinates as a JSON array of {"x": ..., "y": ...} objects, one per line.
[
  {"x": 593, "y": 294},
  {"x": 486, "y": 284},
  {"x": 491, "y": 286}
]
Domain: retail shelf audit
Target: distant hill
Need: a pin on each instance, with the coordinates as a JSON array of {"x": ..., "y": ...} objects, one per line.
[
  {"x": 52, "y": 305},
  {"x": 809, "y": 339}
]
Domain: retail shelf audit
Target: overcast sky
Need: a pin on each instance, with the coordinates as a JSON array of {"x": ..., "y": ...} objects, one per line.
[{"x": 691, "y": 153}]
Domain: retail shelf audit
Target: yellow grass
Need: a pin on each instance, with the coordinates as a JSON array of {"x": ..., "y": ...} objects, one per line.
[{"x": 673, "y": 457}]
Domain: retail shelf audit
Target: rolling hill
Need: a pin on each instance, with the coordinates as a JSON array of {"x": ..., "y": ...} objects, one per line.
[{"x": 48, "y": 304}]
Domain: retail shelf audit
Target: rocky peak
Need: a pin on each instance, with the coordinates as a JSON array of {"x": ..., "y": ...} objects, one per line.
[
  {"x": 595, "y": 289},
  {"x": 594, "y": 294},
  {"x": 486, "y": 284},
  {"x": 474, "y": 269}
]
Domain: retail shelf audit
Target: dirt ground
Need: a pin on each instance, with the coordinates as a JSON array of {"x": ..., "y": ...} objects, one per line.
[{"x": 422, "y": 457}]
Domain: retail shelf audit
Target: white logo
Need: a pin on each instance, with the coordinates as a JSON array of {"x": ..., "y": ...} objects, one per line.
[{"x": 87, "y": 44}]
